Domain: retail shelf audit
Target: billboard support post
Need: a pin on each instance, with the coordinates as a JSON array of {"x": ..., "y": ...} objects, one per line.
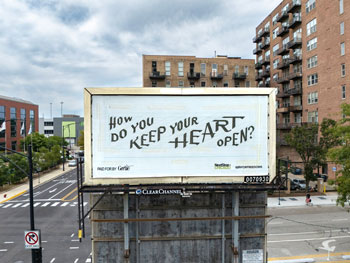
[
  {"x": 223, "y": 231},
  {"x": 235, "y": 204},
  {"x": 126, "y": 227}
]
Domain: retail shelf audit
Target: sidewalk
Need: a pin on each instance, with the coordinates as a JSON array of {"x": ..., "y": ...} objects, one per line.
[
  {"x": 328, "y": 199},
  {"x": 19, "y": 189}
]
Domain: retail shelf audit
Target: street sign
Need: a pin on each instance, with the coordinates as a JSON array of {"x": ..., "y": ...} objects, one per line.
[
  {"x": 334, "y": 168},
  {"x": 253, "y": 256},
  {"x": 32, "y": 239}
]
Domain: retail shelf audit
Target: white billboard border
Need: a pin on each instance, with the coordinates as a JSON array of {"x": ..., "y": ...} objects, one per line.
[{"x": 89, "y": 92}]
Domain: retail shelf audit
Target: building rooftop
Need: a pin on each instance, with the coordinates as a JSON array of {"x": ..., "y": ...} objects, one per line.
[{"x": 16, "y": 99}]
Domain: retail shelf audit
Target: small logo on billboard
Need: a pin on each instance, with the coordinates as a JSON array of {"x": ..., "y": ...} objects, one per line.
[
  {"x": 222, "y": 166},
  {"x": 124, "y": 167}
]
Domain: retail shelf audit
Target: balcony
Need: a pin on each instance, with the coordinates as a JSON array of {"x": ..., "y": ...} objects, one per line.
[
  {"x": 283, "y": 79},
  {"x": 266, "y": 61},
  {"x": 257, "y": 50},
  {"x": 284, "y": 64},
  {"x": 295, "y": 91},
  {"x": 295, "y": 108},
  {"x": 214, "y": 75},
  {"x": 193, "y": 75},
  {"x": 287, "y": 126},
  {"x": 295, "y": 59},
  {"x": 265, "y": 32},
  {"x": 267, "y": 83},
  {"x": 295, "y": 75},
  {"x": 283, "y": 50},
  {"x": 283, "y": 109},
  {"x": 258, "y": 77},
  {"x": 258, "y": 65},
  {"x": 283, "y": 15},
  {"x": 284, "y": 30},
  {"x": 294, "y": 43},
  {"x": 265, "y": 44},
  {"x": 157, "y": 75},
  {"x": 239, "y": 75},
  {"x": 266, "y": 73},
  {"x": 296, "y": 20},
  {"x": 283, "y": 94},
  {"x": 255, "y": 39},
  {"x": 295, "y": 5}
]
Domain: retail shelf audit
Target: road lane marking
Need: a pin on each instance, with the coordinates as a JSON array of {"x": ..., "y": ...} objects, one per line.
[
  {"x": 12, "y": 197},
  {"x": 85, "y": 203},
  {"x": 72, "y": 235},
  {"x": 306, "y": 239},
  {"x": 61, "y": 191},
  {"x": 340, "y": 219},
  {"x": 8, "y": 205},
  {"x": 46, "y": 204},
  {"x": 65, "y": 204},
  {"x": 75, "y": 240},
  {"x": 9, "y": 242},
  {"x": 74, "y": 248},
  {"x": 75, "y": 261},
  {"x": 52, "y": 260},
  {"x": 88, "y": 260},
  {"x": 306, "y": 233},
  {"x": 310, "y": 256},
  {"x": 55, "y": 204},
  {"x": 74, "y": 204},
  {"x": 54, "y": 190},
  {"x": 36, "y": 204},
  {"x": 16, "y": 205},
  {"x": 71, "y": 192},
  {"x": 25, "y": 205},
  {"x": 3, "y": 250},
  {"x": 44, "y": 241}
]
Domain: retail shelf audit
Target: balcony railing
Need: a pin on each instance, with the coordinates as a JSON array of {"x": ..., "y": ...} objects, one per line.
[
  {"x": 258, "y": 65},
  {"x": 157, "y": 75},
  {"x": 265, "y": 44},
  {"x": 295, "y": 108},
  {"x": 193, "y": 75},
  {"x": 295, "y": 5},
  {"x": 295, "y": 59},
  {"x": 284, "y": 64},
  {"x": 267, "y": 83},
  {"x": 283, "y": 94},
  {"x": 282, "y": 15},
  {"x": 265, "y": 31},
  {"x": 283, "y": 109},
  {"x": 266, "y": 61},
  {"x": 237, "y": 75},
  {"x": 294, "y": 43},
  {"x": 215, "y": 75},
  {"x": 283, "y": 50},
  {"x": 266, "y": 73},
  {"x": 295, "y": 75},
  {"x": 258, "y": 77},
  {"x": 257, "y": 50},
  {"x": 295, "y": 91},
  {"x": 287, "y": 126},
  {"x": 296, "y": 20},
  {"x": 284, "y": 30},
  {"x": 283, "y": 79}
]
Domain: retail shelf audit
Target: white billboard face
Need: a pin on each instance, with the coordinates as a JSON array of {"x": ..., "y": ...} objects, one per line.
[{"x": 171, "y": 136}]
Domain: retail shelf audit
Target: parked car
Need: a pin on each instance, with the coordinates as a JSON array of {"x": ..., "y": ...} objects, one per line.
[
  {"x": 300, "y": 184},
  {"x": 295, "y": 170},
  {"x": 72, "y": 163},
  {"x": 293, "y": 185},
  {"x": 323, "y": 176}
]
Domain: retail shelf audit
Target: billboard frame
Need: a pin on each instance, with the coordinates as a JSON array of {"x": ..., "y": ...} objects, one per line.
[{"x": 90, "y": 92}]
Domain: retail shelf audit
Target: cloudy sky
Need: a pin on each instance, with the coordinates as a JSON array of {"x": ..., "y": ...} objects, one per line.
[{"x": 51, "y": 49}]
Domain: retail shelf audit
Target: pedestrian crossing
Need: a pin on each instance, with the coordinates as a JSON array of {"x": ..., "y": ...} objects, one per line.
[{"x": 39, "y": 204}]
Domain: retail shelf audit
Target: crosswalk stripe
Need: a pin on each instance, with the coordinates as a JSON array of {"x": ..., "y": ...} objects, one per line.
[
  {"x": 85, "y": 203},
  {"x": 65, "y": 204},
  {"x": 1, "y": 205},
  {"x": 25, "y": 205},
  {"x": 16, "y": 205},
  {"x": 46, "y": 204},
  {"x": 36, "y": 204},
  {"x": 74, "y": 204},
  {"x": 55, "y": 204},
  {"x": 88, "y": 260},
  {"x": 8, "y": 205}
]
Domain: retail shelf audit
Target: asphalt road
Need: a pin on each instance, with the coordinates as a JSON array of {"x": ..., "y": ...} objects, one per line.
[
  {"x": 56, "y": 214},
  {"x": 307, "y": 231}
]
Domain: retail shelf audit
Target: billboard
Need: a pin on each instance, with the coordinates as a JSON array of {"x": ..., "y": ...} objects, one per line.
[
  {"x": 68, "y": 129},
  {"x": 179, "y": 135}
]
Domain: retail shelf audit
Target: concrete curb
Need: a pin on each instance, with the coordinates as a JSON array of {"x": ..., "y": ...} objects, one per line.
[{"x": 299, "y": 260}]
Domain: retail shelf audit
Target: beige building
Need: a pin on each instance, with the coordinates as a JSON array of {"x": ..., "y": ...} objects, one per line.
[
  {"x": 190, "y": 71},
  {"x": 302, "y": 48}
]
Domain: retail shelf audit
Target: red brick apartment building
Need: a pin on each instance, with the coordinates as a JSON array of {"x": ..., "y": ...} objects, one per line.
[
  {"x": 303, "y": 48},
  {"x": 18, "y": 115},
  {"x": 190, "y": 71}
]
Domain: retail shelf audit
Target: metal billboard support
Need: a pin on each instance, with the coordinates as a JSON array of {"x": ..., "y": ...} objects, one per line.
[
  {"x": 235, "y": 234},
  {"x": 126, "y": 228}
]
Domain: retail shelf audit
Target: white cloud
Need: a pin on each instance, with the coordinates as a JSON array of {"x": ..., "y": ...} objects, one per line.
[{"x": 52, "y": 49}]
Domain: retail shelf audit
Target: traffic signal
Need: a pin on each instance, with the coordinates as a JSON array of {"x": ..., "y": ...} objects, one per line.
[{"x": 67, "y": 153}]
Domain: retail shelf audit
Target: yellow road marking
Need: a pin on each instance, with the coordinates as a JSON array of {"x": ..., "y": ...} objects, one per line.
[
  {"x": 10, "y": 198},
  {"x": 312, "y": 256},
  {"x": 64, "y": 197}
]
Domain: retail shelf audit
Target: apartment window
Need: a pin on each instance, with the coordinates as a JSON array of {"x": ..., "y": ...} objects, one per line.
[
  {"x": 310, "y": 4},
  {"x": 343, "y": 92},
  {"x": 13, "y": 117},
  {"x": 2, "y": 119},
  {"x": 203, "y": 69},
  {"x": 225, "y": 85},
  {"x": 312, "y": 79},
  {"x": 343, "y": 70},
  {"x": 312, "y": 62},
  {"x": 181, "y": 69},
  {"x": 342, "y": 49},
  {"x": 236, "y": 69},
  {"x": 297, "y": 101},
  {"x": 297, "y": 117},
  {"x": 181, "y": 83},
  {"x": 167, "y": 68},
  {"x": 311, "y": 44},
  {"x": 267, "y": 55},
  {"x": 203, "y": 84},
  {"x": 246, "y": 70},
  {"x": 23, "y": 122},
  {"x": 275, "y": 49},
  {"x": 48, "y": 132},
  {"x": 236, "y": 83},
  {"x": 342, "y": 28},
  {"x": 297, "y": 34},
  {"x": 225, "y": 70},
  {"x": 247, "y": 83},
  {"x": 312, "y": 98},
  {"x": 341, "y": 6},
  {"x": 275, "y": 63},
  {"x": 214, "y": 69},
  {"x": 167, "y": 83},
  {"x": 260, "y": 58},
  {"x": 312, "y": 116},
  {"x": 192, "y": 84},
  {"x": 275, "y": 77},
  {"x": 311, "y": 27},
  {"x": 286, "y": 118},
  {"x": 48, "y": 123},
  {"x": 285, "y": 87},
  {"x": 275, "y": 32},
  {"x": 274, "y": 19},
  {"x": 14, "y": 145},
  {"x": 154, "y": 66},
  {"x": 285, "y": 41},
  {"x": 154, "y": 83}
]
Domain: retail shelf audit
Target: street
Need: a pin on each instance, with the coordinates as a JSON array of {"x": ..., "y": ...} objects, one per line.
[
  {"x": 56, "y": 213},
  {"x": 307, "y": 231}
]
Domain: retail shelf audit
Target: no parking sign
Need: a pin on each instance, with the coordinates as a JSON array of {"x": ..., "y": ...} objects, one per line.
[{"x": 32, "y": 239}]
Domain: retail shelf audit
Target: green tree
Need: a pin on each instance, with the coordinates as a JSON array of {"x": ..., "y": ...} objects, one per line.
[
  {"x": 55, "y": 140},
  {"x": 37, "y": 140},
  {"x": 4, "y": 173},
  {"x": 341, "y": 155},
  {"x": 16, "y": 175},
  {"x": 313, "y": 152}
]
